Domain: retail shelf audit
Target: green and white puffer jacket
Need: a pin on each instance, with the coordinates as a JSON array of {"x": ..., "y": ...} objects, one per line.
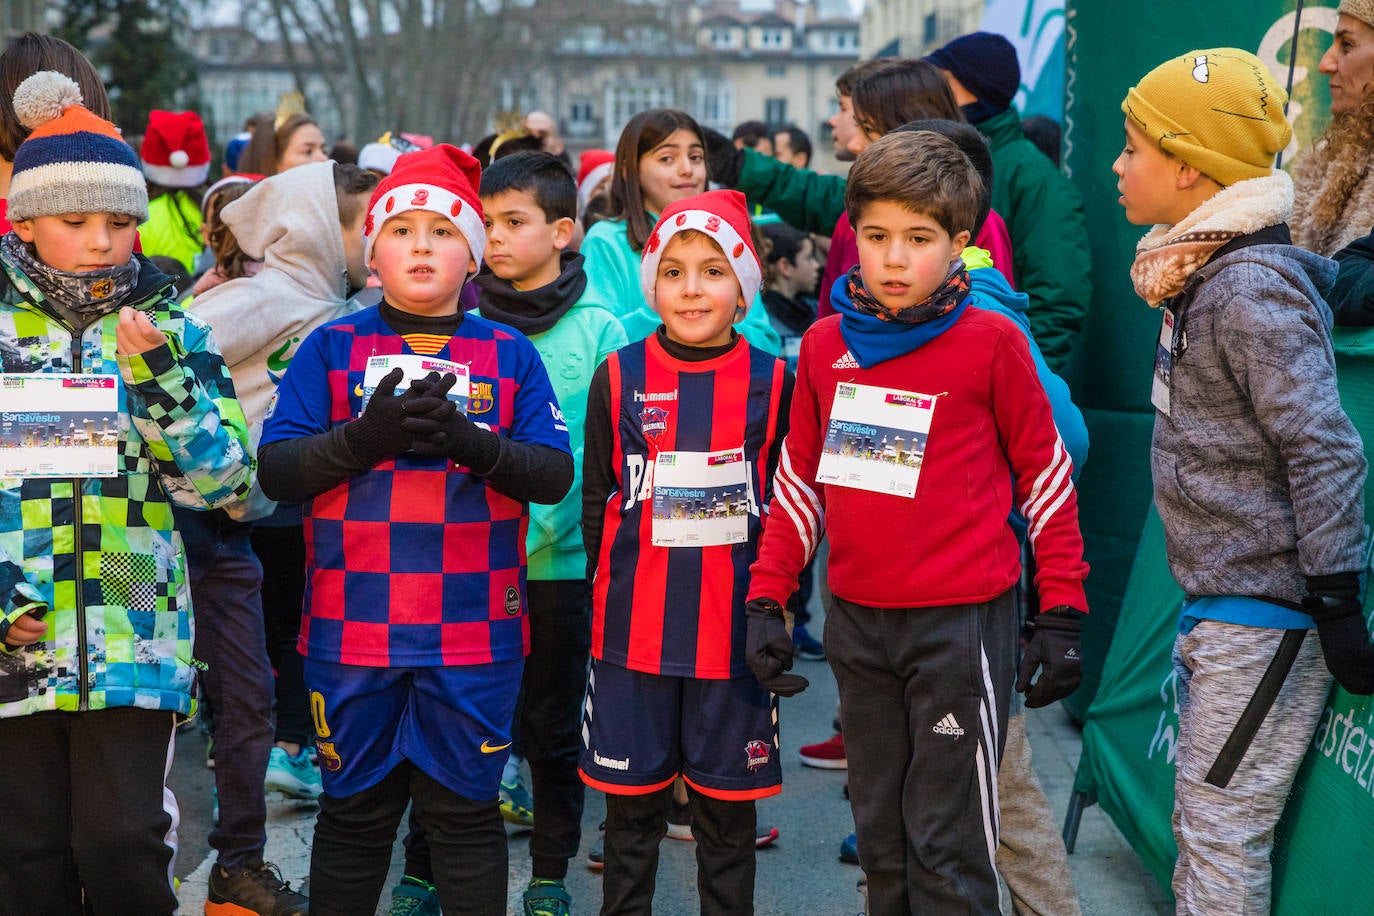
[{"x": 101, "y": 555}]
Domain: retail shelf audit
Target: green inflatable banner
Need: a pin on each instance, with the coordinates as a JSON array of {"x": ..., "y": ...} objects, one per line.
[
  {"x": 1325, "y": 840},
  {"x": 1109, "y": 47}
]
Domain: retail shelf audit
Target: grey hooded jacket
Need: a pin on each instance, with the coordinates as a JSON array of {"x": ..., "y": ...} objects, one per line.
[{"x": 1258, "y": 472}]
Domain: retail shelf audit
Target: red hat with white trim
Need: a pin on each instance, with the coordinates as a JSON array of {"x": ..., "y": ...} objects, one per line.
[
  {"x": 594, "y": 167},
  {"x": 724, "y": 216},
  {"x": 175, "y": 150},
  {"x": 443, "y": 180}
]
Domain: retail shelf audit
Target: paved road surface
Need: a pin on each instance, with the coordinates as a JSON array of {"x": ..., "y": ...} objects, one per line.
[{"x": 801, "y": 873}]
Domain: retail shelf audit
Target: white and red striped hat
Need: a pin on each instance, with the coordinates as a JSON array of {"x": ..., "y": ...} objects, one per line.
[
  {"x": 724, "y": 216},
  {"x": 444, "y": 180}
]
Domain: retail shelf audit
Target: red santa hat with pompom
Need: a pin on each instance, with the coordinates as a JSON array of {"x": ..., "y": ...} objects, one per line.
[
  {"x": 175, "y": 150},
  {"x": 724, "y": 216},
  {"x": 442, "y": 179},
  {"x": 594, "y": 167}
]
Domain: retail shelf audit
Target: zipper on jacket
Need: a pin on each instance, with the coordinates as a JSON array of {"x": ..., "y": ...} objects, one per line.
[{"x": 83, "y": 663}]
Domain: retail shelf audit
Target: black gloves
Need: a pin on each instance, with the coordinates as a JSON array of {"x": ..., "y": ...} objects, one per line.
[
  {"x": 378, "y": 434},
  {"x": 1334, "y": 603},
  {"x": 768, "y": 648},
  {"x": 439, "y": 429},
  {"x": 1054, "y": 647},
  {"x": 724, "y": 161}
]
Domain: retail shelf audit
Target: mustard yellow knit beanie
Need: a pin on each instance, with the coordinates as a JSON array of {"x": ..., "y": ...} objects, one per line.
[{"x": 1220, "y": 110}]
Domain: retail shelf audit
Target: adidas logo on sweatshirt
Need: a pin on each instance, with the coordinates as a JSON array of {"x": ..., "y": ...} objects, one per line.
[
  {"x": 845, "y": 362},
  {"x": 948, "y": 726}
]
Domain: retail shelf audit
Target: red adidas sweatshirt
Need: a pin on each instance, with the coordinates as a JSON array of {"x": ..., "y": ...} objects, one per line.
[{"x": 991, "y": 440}]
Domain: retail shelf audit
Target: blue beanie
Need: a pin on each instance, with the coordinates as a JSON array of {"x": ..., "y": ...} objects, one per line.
[
  {"x": 987, "y": 66},
  {"x": 234, "y": 149}
]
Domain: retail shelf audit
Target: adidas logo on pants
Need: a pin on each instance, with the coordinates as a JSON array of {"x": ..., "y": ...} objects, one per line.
[{"x": 948, "y": 726}]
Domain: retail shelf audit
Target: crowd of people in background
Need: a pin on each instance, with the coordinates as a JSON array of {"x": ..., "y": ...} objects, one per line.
[{"x": 404, "y": 423}]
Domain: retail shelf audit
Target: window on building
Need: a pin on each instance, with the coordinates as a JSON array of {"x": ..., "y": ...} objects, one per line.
[
  {"x": 645, "y": 38},
  {"x": 775, "y": 111},
  {"x": 772, "y": 38},
  {"x": 713, "y": 103},
  {"x": 625, "y": 101},
  {"x": 777, "y": 69},
  {"x": 932, "y": 29},
  {"x": 824, "y": 133},
  {"x": 581, "y": 118},
  {"x": 583, "y": 38},
  {"x": 721, "y": 37}
]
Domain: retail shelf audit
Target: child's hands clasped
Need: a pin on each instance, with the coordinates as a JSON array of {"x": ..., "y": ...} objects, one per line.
[
  {"x": 439, "y": 429},
  {"x": 135, "y": 333},
  {"x": 379, "y": 433}
]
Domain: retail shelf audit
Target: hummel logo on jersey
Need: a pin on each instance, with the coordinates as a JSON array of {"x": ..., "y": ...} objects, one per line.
[
  {"x": 845, "y": 362},
  {"x": 948, "y": 726}
]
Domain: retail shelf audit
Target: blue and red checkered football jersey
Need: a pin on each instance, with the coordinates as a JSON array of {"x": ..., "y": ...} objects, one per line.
[
  {"x": 417, "y": 561},
  {"x": 680, "y": 610}
]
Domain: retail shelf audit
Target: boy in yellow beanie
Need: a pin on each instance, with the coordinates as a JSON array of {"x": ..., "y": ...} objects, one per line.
[{"x": 1258, "y": 473}]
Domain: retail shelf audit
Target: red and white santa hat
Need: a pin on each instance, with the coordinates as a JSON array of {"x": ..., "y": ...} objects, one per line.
[
  {"x": 594, "y": 167},
  {"x": 175, "y": 150},
  {"x": 724, "y": 216},
  {"x": 442, "y": 179}
]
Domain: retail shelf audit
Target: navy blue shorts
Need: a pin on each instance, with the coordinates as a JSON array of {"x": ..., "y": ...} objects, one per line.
[
  {"x": 639, "y": 731},
  {"x": 453, "y": 722}
]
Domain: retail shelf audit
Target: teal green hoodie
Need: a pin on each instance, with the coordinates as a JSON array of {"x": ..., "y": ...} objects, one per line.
[
  {"x": 579, "y": 341},
  {"x": 613, "y": 280}
]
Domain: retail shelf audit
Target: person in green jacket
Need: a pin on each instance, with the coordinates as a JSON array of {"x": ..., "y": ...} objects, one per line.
[
  {"x": 176, "y": 161},
  {"x": 1042, "y": 208},
  {"x": 1352, "y": 296},
  {"x": 660, "y": 159}
]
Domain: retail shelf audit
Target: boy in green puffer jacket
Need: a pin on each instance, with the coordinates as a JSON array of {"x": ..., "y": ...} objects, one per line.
[
  {"x": 95, "y": 617},
  {"x": 532, "y": 283}
]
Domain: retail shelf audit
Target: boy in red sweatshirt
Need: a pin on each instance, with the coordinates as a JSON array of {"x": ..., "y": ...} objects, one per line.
[{"x": 914, "y": 408}]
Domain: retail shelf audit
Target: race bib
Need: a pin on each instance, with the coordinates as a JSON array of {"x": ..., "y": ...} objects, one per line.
[
  {"x": 876, "y": 439},
  {"x": 701, "y": 499},
  {"x": 59, "y": 425},
  {"x": 1164, "y": 364},
  {"x": 416, "y": 367}
]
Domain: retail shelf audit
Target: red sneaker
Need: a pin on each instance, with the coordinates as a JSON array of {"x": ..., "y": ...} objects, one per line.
[{"x": 827, "y": 755}]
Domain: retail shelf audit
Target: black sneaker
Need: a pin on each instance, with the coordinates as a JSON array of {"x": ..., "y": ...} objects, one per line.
[{"x": 254, "y": 890}]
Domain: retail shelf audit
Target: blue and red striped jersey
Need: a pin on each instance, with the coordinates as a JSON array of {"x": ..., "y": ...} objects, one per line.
[
  {"x": 680, "y": 610},
  {"x": 417, "y": 561}
]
